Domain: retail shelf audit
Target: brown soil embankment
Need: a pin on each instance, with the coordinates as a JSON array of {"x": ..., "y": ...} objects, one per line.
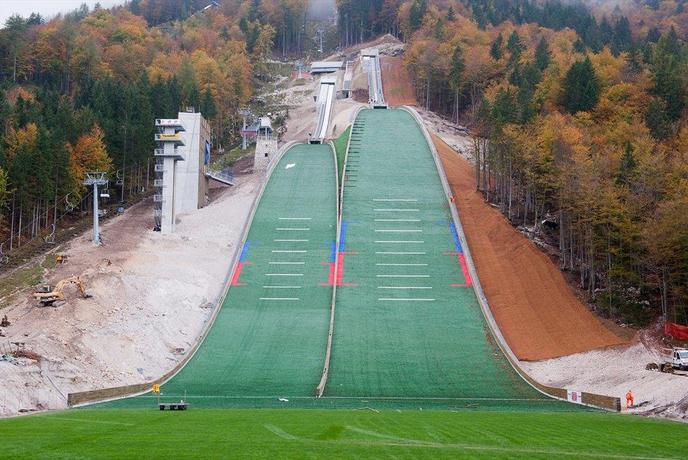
[
  {"x": 531, "y": 301},
  {"x": 396, "y": 82}
]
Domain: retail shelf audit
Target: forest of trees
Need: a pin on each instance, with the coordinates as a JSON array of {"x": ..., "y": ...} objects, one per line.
[
  {"x": 581, "y": 126},
  {"x": 81, "y": 92},
  {"x": 579, "y": 112}
]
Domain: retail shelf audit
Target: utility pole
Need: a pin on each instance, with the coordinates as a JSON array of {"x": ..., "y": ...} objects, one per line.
[
  {"x": 124, "y": 161},
  {"x": 244, "y": 113},
  {"x": 319, "y": 38},
  {"x": 95, "y": 179}
]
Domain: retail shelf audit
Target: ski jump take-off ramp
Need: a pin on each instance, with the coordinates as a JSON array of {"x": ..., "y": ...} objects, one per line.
[
  {"x": 371, "y": 302},
  {"x": 371, "y": 64},
  {"x": 323, "y": 109}
]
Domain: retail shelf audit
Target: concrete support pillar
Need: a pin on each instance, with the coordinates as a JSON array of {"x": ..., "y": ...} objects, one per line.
[{"x": 167, "y": 223}]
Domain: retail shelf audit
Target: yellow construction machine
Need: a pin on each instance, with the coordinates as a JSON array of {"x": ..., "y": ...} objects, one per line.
[{"x": 54, "y": 295}]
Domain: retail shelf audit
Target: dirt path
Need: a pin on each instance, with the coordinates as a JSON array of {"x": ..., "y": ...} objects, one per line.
[
  {"x": 396, "y": 82},
  {"x": 534, "y": 306}
]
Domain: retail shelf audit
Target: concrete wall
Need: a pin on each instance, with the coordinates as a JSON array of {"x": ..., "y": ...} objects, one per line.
[
  {"x": 191, "y": 185},
  {"x": 265, "y": 151},
  {"x": 168, "y": 205}
]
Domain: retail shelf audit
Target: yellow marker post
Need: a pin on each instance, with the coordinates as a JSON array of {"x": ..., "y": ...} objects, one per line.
[{"x": 155, "y": 389}]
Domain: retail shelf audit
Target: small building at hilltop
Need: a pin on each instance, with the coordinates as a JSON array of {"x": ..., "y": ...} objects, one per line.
[{"x": 326, "y": 66}]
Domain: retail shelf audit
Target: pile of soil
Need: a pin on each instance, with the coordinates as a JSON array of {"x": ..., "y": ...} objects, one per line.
[
  {"x": 531, "y": 301},
  {"x": 396, "y": 82}
]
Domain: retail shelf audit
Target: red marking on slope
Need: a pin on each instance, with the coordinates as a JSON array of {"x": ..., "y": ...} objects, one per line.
[
  {"x": 237, "y": 274},
  {"x": 464, "y": 269}
]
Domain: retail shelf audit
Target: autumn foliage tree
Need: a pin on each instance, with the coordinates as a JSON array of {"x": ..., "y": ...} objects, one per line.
[
  {"x": 88, "y": 154},
  {"x": 580, "y": 137}
]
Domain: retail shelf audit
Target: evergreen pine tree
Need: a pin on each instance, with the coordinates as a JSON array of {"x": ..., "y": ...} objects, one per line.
[
  {"x": 417, "y": 13},
  {"x": 581, "y": 88},
  {"x": 514, "y": 45},
  {"x": 496, "y": 48},
  {"x": 208, "y": 108},
  {"x": 542, "y": 55},
  {"x": 627, "y": 166},
  {"x": 657, "y": 120}
]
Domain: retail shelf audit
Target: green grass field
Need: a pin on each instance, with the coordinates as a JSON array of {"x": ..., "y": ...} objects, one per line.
[{"x": 238, "y": 433}]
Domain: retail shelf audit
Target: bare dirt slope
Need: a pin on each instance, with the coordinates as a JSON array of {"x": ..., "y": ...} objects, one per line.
[
  {"x": 396, "y": 82},
  {"x": 614, "y": 371},
  {"x": 531, "y": 301},
  {"x": 152, "y": 295}
]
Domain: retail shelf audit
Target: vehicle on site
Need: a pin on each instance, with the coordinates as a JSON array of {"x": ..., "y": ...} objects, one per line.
[
  {"x": 54, "y": 296},
  {"x": 679, "y": 359}
]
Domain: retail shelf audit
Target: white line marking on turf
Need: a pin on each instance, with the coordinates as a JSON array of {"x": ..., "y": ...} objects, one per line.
[
  {"x": 294, "y": 218},
  {"x": 392, "y": 299},
  {"x": 289, "y": 250},
  {"x": 404, "y": 287},
  {"x": 400, "y": 242},
  {"x": 290, "y": 241},
  {"x": 105, "y": 422},
  {"x": 280, "y": 432},
  {"x": 286, "y": 263},
  {"x": 396, "y": 199},
  {"x": 293, "y": 229},
  {"x": 281, "y": 287},
  {"x": 403, "y": 276},
  {"x": 284, "y": 274},
  {"x": 395, "y": 210},
  {"x": 402, "y": 265},
  {"x": 397, "y": 220},
  {"x": 398, "y": 231},
  {"x": 279, "y": 298},
  {"x": 402, "y": 253}
]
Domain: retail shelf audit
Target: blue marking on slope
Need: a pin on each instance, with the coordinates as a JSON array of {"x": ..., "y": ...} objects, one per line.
[
  {"x": 333, "y": 251},
  {"x": 244, "y": 251},
  {"x": 455, "y": 235},
  {"x": 342, "y": 236}
]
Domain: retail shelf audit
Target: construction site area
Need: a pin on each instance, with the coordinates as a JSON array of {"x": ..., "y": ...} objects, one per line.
[{"x": 323, "y": 277}]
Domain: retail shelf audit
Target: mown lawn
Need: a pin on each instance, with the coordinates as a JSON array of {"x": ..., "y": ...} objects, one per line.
[{"x": 279, "y": 433}]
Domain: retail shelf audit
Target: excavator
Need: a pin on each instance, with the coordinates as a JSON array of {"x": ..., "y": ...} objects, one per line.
[{"x": 54, "y": 296}]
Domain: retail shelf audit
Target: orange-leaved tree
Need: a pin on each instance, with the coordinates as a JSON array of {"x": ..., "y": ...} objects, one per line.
[{"x": 88, "y": 154}]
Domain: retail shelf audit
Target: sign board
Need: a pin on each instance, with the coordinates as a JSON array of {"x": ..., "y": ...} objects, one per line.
[
  {"x": 156, "y": 388},
  {"x": 575, "y": 397},
  {"x": 173, "y": 137},
  {"x": 168, "y": 122}
]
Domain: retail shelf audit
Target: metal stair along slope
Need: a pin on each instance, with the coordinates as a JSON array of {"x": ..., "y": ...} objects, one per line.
[{"x": 224, "y": 177}]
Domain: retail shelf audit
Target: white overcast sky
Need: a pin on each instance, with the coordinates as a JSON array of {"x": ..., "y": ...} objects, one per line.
[{"x": 47, "y": 8}]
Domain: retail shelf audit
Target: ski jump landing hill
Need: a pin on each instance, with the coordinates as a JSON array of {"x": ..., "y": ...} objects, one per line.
[{"x": 384, "y": 293}]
